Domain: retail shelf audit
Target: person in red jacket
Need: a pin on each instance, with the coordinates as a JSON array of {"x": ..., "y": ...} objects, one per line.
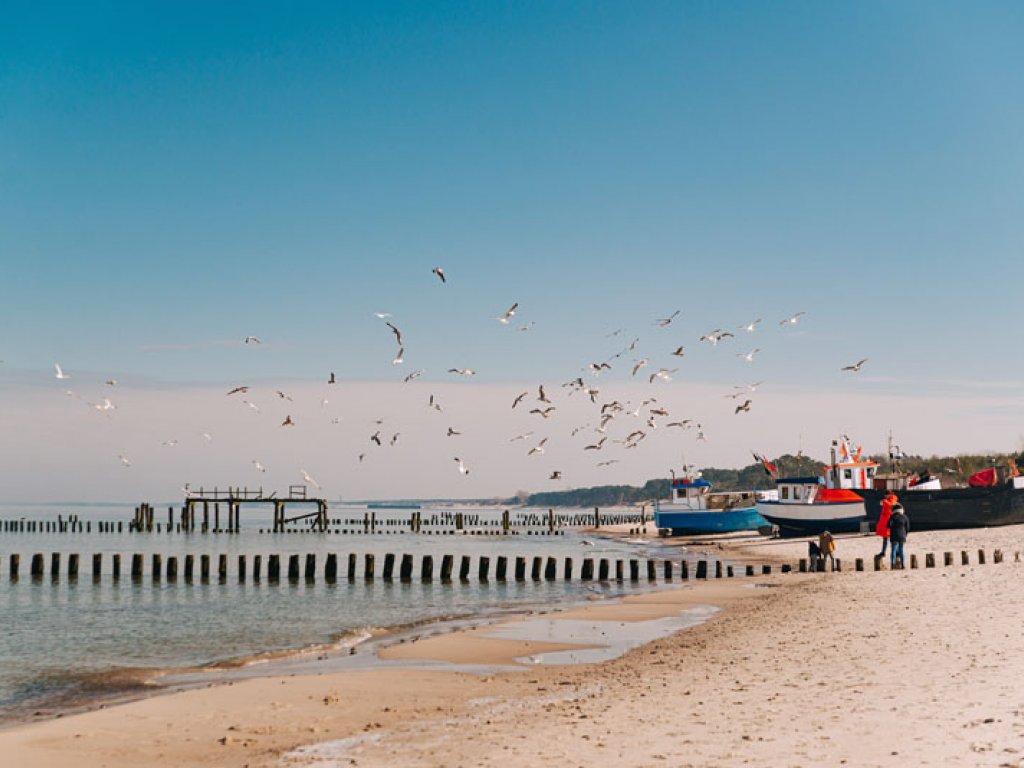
[{"x": 882, "y": 529}]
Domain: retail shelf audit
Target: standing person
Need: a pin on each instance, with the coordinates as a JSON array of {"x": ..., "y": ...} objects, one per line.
[
  {"x": 827, "y": 546},
  {"x": 882, "y": 529},
  {"x": 899, "y": 527}
]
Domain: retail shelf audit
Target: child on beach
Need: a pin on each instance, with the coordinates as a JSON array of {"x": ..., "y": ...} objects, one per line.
[{"x": 899, "y": 527}]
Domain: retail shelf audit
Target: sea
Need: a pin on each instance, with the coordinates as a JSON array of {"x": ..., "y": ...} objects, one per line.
[{"x": 72, "y": 643}]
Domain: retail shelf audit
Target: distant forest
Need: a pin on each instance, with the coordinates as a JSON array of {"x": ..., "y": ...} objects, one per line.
[{"x": 954, "y": 471}]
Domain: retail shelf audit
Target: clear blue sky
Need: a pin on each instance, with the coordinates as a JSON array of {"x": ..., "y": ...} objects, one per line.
[{"x": 182, "y": 173}]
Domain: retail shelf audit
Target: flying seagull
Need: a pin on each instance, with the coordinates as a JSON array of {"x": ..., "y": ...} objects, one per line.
[
  {"x": 398, "y": 333},
  {"x": 375, "y": 437},
  {"x": 541, "y": 396},
  {"x": 253, "y": 340},
  {"x": 745, "y": 407},
  {"x": 169, "y": 443},
  {"x": 679, "y": 351},
  {"x": 60, "y": 373},
  {"x": 749, "y": 356},
  {"x": 259, "y": 467},
  {"x": 288, "y": 422},
  {"x": 394, "y": 438},
  {"x": 750, "y": 327},
  {"x": 124, "y": 460},
  {"x": 521, "y": 437},
  {"x": 111, "y": 382},
  {"x": 462, "y": 467},
  {"x": 382, "y": 315},
  {"x": 236, "y": 390},
  {"x": 546, "y": 412},
  {"x": 283, "y": 395},
  {"x": 332, "y": 380},
  {"x": 462, "y": 371},
  {"x": 556, "y": 475},
  {"x": 412, "y": 376},
  {"x": 310, "y": 480},
  {"x": 508, "y": 314},
  {"x": 639, "y": 364},
  {"x": 253, "y": 406},
  {"x": 538, "y": 448},
  {"x": 792, "y": 319},
  {"x": 663, "y": 321},
  {"x": 400, "y": 357},
  {"x": 440, "y": 273},
  {"x": 452, "y": 433},
  {"x": 855, "y": 367}
]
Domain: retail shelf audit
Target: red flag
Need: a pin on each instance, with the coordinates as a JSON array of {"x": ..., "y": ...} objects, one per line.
[{"x": 984, "y": 479}]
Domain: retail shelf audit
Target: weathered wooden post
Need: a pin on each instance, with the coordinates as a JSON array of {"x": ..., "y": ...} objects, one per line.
[
  {"x": 483, "y": 566},
  {"x": 241, "y": 569},
  {"x": 447, "y": 561},
  {"x": 368, "y": 565},
  {"x": 15, "y": 567},
  {"x": 718, "y": 569},
  {"x": 587, "y": 572},
  {"x": 602, "y": 569},
  {"x": 73, "y": 566},
  {"x": 405, "y": 569},
  {"x": 567, "y": 569},
  {"x": 684, "y": 570},
  {"x": 551, "y": 569},
  {"x": 913, "y": 561},
  {"x": 257, "y": 565},
  {"x": 520, "y": 569},
  {"x": 274, "y": 568},
  {"x": 652, "y": 570},
  {"x": 222, "y": 568},
  {"x": 535, "y": 568},
  {"x": 136, "y": 566},
  {"x": 802, "y": 565},
  {"x": 766, "y": 570},
  {"x": 501, "y": 569},
  {"x": 750, "y": 570},
  {"x": 331, "y": 568},
  {"x": 115, "y": 566},
  {"x": 389, "y": 567},
  {"x": 172, "y": 568},
  {"x": 858, "y": 564},
  {"x": 964, "y": 558},
  {"x": 55, "y": 565},
  {"x": 97, "y": 565},
  {"x": 310, "y": 568},
  {"x": 190, "y": 561},
  {"x": 620, "y": 570},
  {"x": 206, "y": 517},
  {"x": 464, "y": 565},
  {"x": 216, "y": 517},
  {"x": 293, "y": 567},
  {"x": 597, "y": 517},
  {"x": 634, "y": 569},
  {"x": 668, "y": 570},
  {"x": 997, "y": 556},
  {"x": 204, "y": 568},
  {"x": 426, "y": 568},
  {"x": 505, "y": 522}
]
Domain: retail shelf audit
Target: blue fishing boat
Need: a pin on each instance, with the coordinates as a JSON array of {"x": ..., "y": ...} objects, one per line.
[{"x": 694, "y": 510}]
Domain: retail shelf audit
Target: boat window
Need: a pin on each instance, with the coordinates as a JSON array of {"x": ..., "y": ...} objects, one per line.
[
  {"x": 848, "y": 474},
  {"x": 785, "y": 492}
]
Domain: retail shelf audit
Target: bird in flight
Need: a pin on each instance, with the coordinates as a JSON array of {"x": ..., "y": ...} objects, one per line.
[
  {"x": 855, "y": 367},
  {"x": 237, "y": 390},
  {"x": 462, "y": 371},
  {"x": 526, "y": 327},
  {"x": 111, "y": 382},
  {"x": 375, "y": 437},
  {"x": 508, "y": 314},
  {"x": 596, "y": 368},
  {"x": 283, "y": 395},
  {"x": 638, "y": 365},
  {"x": 432, "y": 403},
  {"x": 555, "y": 475},
  {"x": 679, "y": 351},
  {"x": 665, "y": 374},
  {"x": 400, "y": 357},
  {"x": 253, "y": 406},
  {"x": 398, "y": 333},
  {"x": 106, "y": 405},
  {"x": 519, "y": 399},
  {"x": 394, "y": 438},
  {"x": 745, "y": 408},
  {"x": 288, "y": 422},
  {"x": 749, "y": 356},
  {"x": 259, "y": 467},
  {"x": 412, "y": 376},
  {"x": 521, "y": 437},
  {"x": 440, "y": 273},
  {"x": 713, "y": 336},
  {"x": 546, "y": 412},
  {"x": 169, "y": 443},
  {"x": 124, "y": 460},
  {"x": 60, "y": 373},
  {"x": 684, "y": 423},
  {"x": 541, "y": 396},
  {"x": 332, "y": 380},
  {"x": 310, "y": 480},
  {"x": 664, "y": 321},
  {"x": 463, "y": 469},
  {"x": 792, "y": 319},
  {"x": 751, "y": 326},
  {"x": 253, "y": 340},
  {"x": 206, "y": 436},
  {"x": 607, "y": 463},
  {"x": 538, "y": 448},
  {"x": 452, "y": 433},
  {"x": 596, "y": 446},
  {"x": 382, "y": 315}
]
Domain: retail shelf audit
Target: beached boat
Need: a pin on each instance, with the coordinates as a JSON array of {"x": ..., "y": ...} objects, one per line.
[
  {"x": 694, "y": 510},
  {"x": 930, "y": 507},
  {"x": 810, "y": 505}
]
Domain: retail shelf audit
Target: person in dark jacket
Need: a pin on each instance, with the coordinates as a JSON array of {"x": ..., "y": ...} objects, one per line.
[{"x": 899, "y": 527}]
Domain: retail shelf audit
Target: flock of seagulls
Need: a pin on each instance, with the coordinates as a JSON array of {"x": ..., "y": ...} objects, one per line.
[{"x": 600, "y": 435}]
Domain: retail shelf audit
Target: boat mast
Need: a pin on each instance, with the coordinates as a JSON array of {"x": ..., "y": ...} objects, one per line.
[{"x": 835, "y": 469}]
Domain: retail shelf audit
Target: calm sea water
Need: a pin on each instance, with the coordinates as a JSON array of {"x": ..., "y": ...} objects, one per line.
[{"x": 65, "y": 642}]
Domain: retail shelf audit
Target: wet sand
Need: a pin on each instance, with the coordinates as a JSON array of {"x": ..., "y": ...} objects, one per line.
[{"x": 891, "y": 669}]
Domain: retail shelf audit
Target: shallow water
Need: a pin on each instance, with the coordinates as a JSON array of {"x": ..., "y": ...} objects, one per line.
[{"x": 68, "y": 642}]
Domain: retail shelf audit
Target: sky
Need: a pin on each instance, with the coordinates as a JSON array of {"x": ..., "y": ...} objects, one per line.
[{"x": 175, "y": 177}]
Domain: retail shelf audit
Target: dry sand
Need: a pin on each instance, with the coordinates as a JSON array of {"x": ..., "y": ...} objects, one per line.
[{"x": 903, "y": 668}]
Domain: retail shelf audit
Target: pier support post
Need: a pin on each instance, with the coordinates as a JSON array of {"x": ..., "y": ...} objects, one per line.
[
  {"x": 426, "y": 568},
  {"x": 520, "y": 569},
  {"x": 702, "y": 569},
  {"x": 331, "y": 568},
  {"x": 500, "y": 570},
  {"x": 190, "y": 561},
  {"x": 115, "y": 566},
  {"x": 464, "y": 564},
  {"x": 257, "y": 564},
  {"x": 981, "y": 557},
  {"x": 668, "y": 570},
  {"x": 602, "y": 569},
  {"x": 551, "y": 569},
  {"x": 389, "y": 567},
  {"x": 483, "y": 566},
  {"x": 929, "y": 560},
  {"x": 136, "y": 566},
  {"x": 947, "y": 558},
  {"x": 97, "y": 565},
  {"x": 567, "y": 571},
  {"x": 652, "y": 570},
  {"x": 368, "y": 566},
  {"x": 587, "y": 571},
  {"x": 241, "y": 569},
  {"x": 447, "y": 561},
  {"x": 310, "y": 569},
  {"x": 405, "y": 569},
  {"x": 274, "y": 568},
  {"x": 204, "y": 568},
  {"x": 634, "y": 569}
]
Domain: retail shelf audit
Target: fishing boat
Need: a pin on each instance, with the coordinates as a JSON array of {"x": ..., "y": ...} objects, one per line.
[
  {"x": 811, "y": 505},
  {"x": 695, "y": 510}
]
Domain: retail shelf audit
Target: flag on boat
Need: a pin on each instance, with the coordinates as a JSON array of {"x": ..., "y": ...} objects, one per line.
[
  {"x": 770, "y": 468},
  {"x": 984, "y": 479}
]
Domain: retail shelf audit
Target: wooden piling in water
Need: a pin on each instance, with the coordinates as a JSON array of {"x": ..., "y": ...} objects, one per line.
[
  {"x": 535, "y": 568},
  {"x": 172, "y": 568},
  {"x": 14, "y": 567},
  {"x": 405, "y": 569},
  {"x": 156, "y": 566},
  {"x": 257, "y": 564},
  {"x": 602, "y": 569},
  {"x": 309, "y": 571},
  {"x": 464, "y": 565},
  {"x": 115, "y": 566},
  {"x": 634, "y": 569},
  {"x": 551, "y": 569},
  {"x": 97, "y": 565},
  {"x": 587, "y": 572},
  {"x": 136, "y": 566},
  {"x": 222, "y": 568},
  {"x": 483, "y": 566},
  {"x": 718, "y": 569},
  {"x": 241, "y": 569},
  {"x": 567, "y": 569},
  {"x": 190, "y": 561},
  {"x": 684, "y": 570},
  {"x": 73, "y": 566},
  {"x": 501, "y": 568},
  {"x": 293, "y": 567},
  {"x": 447, "y": 562},
  {"x": 274, "y": 568},
  {"x": 389, "y": 567},
  {"x": 667, "y": 569},
  {"x": 652, "y": 570},
  {"x": 331, "y": 568},
  {"x": 426, "y": 567},
  {"x": 368, "y": 566},
  {"x": 750, "y": 570},
  {"x": 55, "y": 564},
  {"x": 204, "y": 568},
  {"x": 964, "y": 558},
  {"x": 619, "y": 570}
]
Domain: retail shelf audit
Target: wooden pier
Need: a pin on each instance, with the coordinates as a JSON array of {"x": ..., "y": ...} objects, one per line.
[{"x": 233, "y": 498}]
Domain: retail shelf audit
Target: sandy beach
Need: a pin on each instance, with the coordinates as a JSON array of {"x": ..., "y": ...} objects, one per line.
[{"x": 915, "y": 667}]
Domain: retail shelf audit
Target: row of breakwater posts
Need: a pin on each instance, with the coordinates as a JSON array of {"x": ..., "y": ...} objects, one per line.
[
  {"x": 440, "y": 523},
  {"x": 537, "y": 568}
]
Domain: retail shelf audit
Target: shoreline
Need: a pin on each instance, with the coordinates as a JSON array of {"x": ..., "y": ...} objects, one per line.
[{"x": 740, "y": 681}]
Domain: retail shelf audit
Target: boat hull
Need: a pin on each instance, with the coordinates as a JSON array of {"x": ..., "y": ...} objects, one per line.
[
  {"x": 684, "y": 522},
  {"x": 803, "y": 519},
  {"x": 951, "y": 508}
]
